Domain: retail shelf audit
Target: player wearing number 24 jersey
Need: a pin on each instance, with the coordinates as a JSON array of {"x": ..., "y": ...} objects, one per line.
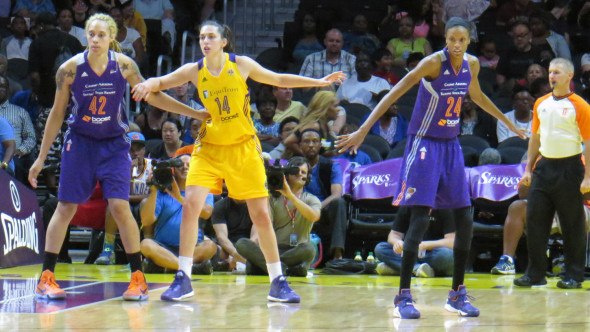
[{"x": 432, "y": 173}]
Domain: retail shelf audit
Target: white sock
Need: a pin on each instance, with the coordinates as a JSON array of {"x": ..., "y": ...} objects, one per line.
[
  {"x": 185, "y": 264},
  {"x": 274, "y": 270}
]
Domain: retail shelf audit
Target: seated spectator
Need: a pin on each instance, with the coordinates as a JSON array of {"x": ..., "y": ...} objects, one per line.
[
  {"x": 31, "y": 8},
  {"x": 309, "y": 42},
  {"x": 359, "y": 39},
  {"x": 286, "y": 106},
  {"x": 326, "y": 184},
  {"x": 27, "y": 100},
  {"x": 514, "y": 227},
  {"x": 231, "y": 222},
  {"x": 518, "y": 57},
  {"x": 286, "y": 127},
  {"x": 141, "y": 173},
  {"x": 476, "y": 122},
  {"x": 435, "y": 256},
  {"x": 171, "y": 133},
  {"x": 540, "y": 25},
  {"x": 383, "y": 61},
  {"x": 540, "y": 87},
  {"x": 134, "y": 19},
  {"x": 359, "y": 158},
  {"x": 521, "y": 115},
  {"x": 406, "y": 43},
  {"x": 151, "y": 122},
  {"x": 7, "y": 147},
  {"x": 13, "y": 85},
  {"x": 413, "y": 60},
  {"x": 488, "y": 57},
  {"x": 158, "y": 16},
  {"x": 514, "y": 9},
  {"x": 363, "y": 87},
  {"x": 293, "y": 214},
  {"x": 322, "y": 109},
  {"x": 192, "y": 132},
  {"x": 533, "y": 72},
  {"x": 24, "y": 132},
  {"x": 332, "y": 59},
  {"x": 391, "y": 125},
  {"x": 80, "y": 9},
  {"x": 65, "y": 23},
  {"x": 128, "y": 38},
  {"x": 165, "y": 210},
  {"x": 16, "y": 46},
  {"x": 267, "y": 129}
]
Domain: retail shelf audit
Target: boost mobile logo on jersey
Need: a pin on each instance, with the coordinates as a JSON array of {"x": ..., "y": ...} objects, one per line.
[
  {"x": 86, "y": 118},
  {"x": 206, "y": 94}
]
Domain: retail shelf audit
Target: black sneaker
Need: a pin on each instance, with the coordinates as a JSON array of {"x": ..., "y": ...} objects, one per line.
[
  {"x": 525, "y": 281},
  {"x": 569, "y": 284},
  {"x": 203, "y": 268},
  {"x": 299, "y": 270},
  {"x": 148, "y": 266}
]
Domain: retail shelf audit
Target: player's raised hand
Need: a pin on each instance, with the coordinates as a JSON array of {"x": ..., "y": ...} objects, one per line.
[{"x": 337, "y": 76}]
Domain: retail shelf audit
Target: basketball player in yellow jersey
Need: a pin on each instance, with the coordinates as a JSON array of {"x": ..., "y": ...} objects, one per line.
[{"x": 227, "y": 149}]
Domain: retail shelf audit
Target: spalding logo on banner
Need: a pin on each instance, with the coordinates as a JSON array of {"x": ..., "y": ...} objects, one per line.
[
  {"x": 19, "y": 233},
  {"x": 23, "y": 234}
]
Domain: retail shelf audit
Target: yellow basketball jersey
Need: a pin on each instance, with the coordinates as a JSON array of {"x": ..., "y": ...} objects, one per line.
[{"x": 227, "y": 99}]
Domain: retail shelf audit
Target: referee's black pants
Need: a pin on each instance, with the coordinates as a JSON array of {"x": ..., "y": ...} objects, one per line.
[{"x": 555, "y": 186}]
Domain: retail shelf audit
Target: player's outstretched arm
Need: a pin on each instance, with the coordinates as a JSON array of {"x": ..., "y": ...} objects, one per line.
[
  {"x": 158, "y": 99},
  {"x": 63, "y": 79},
  {"x": 428, "y": 67},
  {"x": 484, "y": 102},
  {"x": 252, "y": 69}
]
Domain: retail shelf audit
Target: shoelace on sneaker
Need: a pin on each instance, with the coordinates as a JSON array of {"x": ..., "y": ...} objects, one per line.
[{"x": 51, "y": 282}]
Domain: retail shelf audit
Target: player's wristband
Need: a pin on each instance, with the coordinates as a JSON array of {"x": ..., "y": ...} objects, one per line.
[{"x": 4, "y": 164}]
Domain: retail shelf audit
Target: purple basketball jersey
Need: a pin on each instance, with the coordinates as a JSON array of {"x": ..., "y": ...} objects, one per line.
[
  {"x": 97, "y": 101},
  {"x": 438, "y": 105}
]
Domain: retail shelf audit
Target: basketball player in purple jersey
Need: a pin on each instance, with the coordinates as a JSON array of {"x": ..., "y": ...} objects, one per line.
[
  {"x": 96, "y": 147},
  {"x": 432, "y": 174}
]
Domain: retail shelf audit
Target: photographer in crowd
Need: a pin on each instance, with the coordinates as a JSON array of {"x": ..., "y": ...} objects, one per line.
[
  {"x": 293, "y": 213},
  {"x": 163, "y": 206}
]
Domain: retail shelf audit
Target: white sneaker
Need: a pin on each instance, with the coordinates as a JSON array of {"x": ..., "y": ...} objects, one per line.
[{"x": 424, "y": 271}]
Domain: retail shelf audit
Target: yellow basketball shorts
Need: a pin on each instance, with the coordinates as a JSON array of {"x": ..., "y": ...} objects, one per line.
[{"x": 240, "y": 165}]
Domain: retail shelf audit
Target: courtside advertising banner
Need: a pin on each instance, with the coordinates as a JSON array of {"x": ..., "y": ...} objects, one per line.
[
  {"x": 375, "y": 181},
  {"x": 495, "y": 182},
  {"x": 22, "y": 234}
]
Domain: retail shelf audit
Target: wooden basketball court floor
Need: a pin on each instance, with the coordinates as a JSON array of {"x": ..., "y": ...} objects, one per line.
[{"x": 237, "y": 302}]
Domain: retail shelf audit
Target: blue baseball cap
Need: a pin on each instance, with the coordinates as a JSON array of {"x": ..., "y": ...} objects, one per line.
[{"x": 136, "y": 137}]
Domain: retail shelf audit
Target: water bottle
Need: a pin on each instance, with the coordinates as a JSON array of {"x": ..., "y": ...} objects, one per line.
[
  {"x": 370, "y": 258},
  {"x": 358, "y": 257},
  {"x": 421, "y": 253}
]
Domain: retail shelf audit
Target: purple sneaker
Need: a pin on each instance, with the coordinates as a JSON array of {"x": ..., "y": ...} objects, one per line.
[
  {"x": 404, "y": 307},
  {"x": 281, "y": 292},
  {"x": 180, "y": 289},
  {"x": 458, "y": 301}
]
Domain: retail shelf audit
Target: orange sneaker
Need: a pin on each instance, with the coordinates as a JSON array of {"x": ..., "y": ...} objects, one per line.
[
  {"x": 138, "y": 289},
  {"x": 48, "y": 288}
]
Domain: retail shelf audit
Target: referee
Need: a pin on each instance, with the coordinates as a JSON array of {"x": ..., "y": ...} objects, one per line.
[{"x": 561, "y": 122}]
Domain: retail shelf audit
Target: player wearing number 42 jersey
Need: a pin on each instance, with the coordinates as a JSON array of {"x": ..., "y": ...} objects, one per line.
[
  {"x": 432, "y": 174},
  {"x": 96, "y": 147},
  {"x": 227, "y": 148}
]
